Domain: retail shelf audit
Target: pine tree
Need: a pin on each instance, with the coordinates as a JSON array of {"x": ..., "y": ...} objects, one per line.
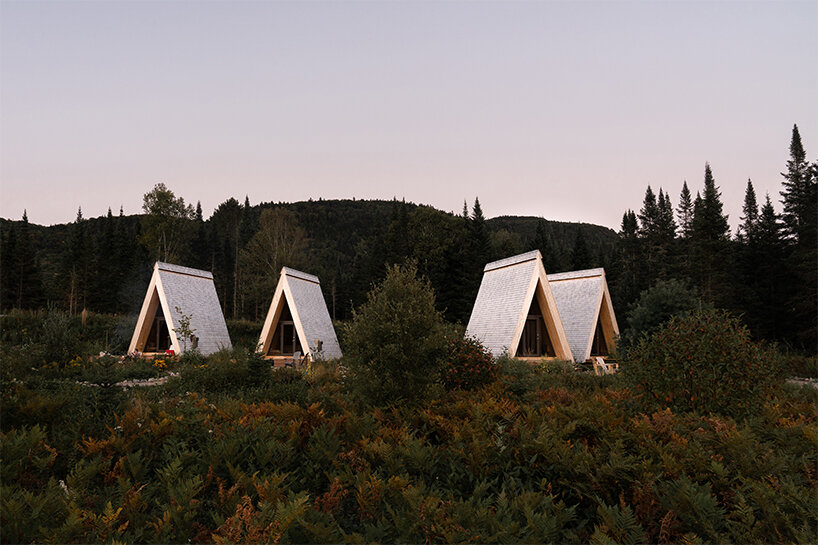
[
  {"x": 78, "y": 265},
  {"x": 626, "y": 278},
  {"x": 769, "y": 276},
  {"x": 685, "y": 212},
  {"x": 749, "y": 221},
  {"x": 800, "y": 194},
  {"x": 665, "y": 224},
  {"x": 709, "y": 242},
  {"x": 800, "y": 218},
  {"x": 648, "y": 215}
]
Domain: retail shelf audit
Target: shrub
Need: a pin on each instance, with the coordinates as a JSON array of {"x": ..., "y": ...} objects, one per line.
[
  {"x": 468, "y": 364},
  {"x": 59, "y": 337},
  {"x": 703, "y": 361},
  {"x": 395, "y": 345},
  {"x": 656, "y": 305}
]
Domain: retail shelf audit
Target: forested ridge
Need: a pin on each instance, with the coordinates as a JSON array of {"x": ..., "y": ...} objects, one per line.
[
  {"x": 765, "y": 271},
  {"x": 104, "y": 263}
]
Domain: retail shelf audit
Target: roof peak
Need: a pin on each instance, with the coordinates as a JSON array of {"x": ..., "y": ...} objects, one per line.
[
  {"x": 513, "y": 260},
  {"x": 170, "y": 267},
  {"x": 570, "y": 275},
  {"x": 287, "y": 271}
]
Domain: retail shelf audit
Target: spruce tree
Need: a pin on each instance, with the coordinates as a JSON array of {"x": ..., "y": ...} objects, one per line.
[
  {"x": 685, "y": 212},
  {"x": 769, "y": 277},
  {"x": 626, "y": 280},
  {"x": 648, "y": 215},
  {"x": 799, "y": 195},
  {"x": 749, "y": 219},
  {"x": 78, "y": 265},
  {"x": 710, "y": 242},
  {"x": 800, "y": 219}
]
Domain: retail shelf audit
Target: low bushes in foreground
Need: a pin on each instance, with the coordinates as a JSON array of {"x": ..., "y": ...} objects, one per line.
[{"x": 540, "y": 454}]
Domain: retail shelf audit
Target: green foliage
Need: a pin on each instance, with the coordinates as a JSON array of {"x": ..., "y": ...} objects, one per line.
[
  {"x": 395, "y": 346},
  {"x": 703, "y": 361},
  {"x": 468, "y": 364},
  {"x": 544, "y": 454},
  {"x": 663, "y": 301},
  {"x": 58, "y": 338}
]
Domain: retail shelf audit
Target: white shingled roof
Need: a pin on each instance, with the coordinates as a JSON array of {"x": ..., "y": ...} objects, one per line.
[
  {"x": 500, "y": 310},
  {"x": 191, "y": 291},
  {"x": 582, "y": 299},
  {"x": 302, "y": 294}
]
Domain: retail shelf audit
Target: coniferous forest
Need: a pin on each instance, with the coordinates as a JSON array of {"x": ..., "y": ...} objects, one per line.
[{"x": 765, "y": 272}]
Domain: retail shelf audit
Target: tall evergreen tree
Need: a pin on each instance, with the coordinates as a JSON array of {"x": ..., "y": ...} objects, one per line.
[
  {"x": 78, "y": 264},
  {"x": 799, "y": 195},
  {"x": 710, "y": 242},
  {"x": 648, "y": 215},
  {"x": 770, "y": 277},
  {"x": 685, "y": 212},
  {"x": 800, "y": 218},
  {"x": 749, "y": 219},
  {"x": 626, "y": 278}
]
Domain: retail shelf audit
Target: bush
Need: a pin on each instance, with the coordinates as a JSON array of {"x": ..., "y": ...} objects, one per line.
[
  {"x": 59, "y": 339},
  {"x": 395, "y": 345},
  {"x": 703, "y": 361},
  {"x": 468, "y": 364},
  {"x": 656, "y": 305}
]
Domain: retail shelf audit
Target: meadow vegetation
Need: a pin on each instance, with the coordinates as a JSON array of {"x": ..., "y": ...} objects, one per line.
[{"x": 233, "y": 451}]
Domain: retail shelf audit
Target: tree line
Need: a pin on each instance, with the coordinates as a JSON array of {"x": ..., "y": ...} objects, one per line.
[
  {"x": 765, "y": 272},
  {"x": 104, "y": 264}
]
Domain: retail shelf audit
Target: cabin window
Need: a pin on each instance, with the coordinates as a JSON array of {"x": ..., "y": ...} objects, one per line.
[
  {"x": 285, "y": 338},
  {"x": 159, "y": 336},
  {"x": 599, "y": 347},
  {"x": 535, "y": 341}
]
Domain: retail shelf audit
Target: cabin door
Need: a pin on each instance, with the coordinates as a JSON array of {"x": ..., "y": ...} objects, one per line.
[{"x": 287, "y": 338}]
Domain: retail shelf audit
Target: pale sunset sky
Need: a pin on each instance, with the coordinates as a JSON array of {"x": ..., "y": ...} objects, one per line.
[{"x": 565, "y": 110}]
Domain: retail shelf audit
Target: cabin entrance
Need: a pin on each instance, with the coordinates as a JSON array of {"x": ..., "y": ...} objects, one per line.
[
  {"x": 285, "y": 339},
  {"x": 599, "y": 347},
  {"x": 535, "y": 341},
  {"x": 159, "y": 336}
]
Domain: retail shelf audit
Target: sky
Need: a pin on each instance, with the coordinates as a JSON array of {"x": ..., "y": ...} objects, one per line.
[{"x": 565, "y": 110}]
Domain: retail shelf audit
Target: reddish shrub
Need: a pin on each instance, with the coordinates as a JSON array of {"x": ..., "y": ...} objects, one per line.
[{"x": 468, "y": 364}]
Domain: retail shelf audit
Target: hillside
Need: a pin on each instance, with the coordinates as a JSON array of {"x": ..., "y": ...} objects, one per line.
[{"x": 104, "y": 262}]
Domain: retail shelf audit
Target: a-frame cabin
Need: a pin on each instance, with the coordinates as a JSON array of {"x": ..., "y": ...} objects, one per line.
[
  {"x": 587, "y": 312},
  {"x": 175, "y": 291},
  {"x": 515, "y": 311},
  {"x": 298, "y": 320}
]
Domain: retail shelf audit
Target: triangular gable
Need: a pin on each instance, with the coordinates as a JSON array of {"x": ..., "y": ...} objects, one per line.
[
  {"x": 192, "y": 292},
  {"x": 584, "y": 301},
  {"x": 506, "y": 292},
  {"x": 301, "y": 293}
]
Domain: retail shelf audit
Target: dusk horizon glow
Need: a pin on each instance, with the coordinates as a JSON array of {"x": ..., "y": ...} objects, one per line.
[{"x": 562, "y": 110}]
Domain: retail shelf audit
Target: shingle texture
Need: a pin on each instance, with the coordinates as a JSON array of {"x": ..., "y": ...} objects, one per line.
[
  {"x": 194, "y": 293},
  {"x": 577, "y": 295},
  {"x": 308, "y": 303},
  {"x": 576, "y": 274},
  {"x": 501, "y": 301}
]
